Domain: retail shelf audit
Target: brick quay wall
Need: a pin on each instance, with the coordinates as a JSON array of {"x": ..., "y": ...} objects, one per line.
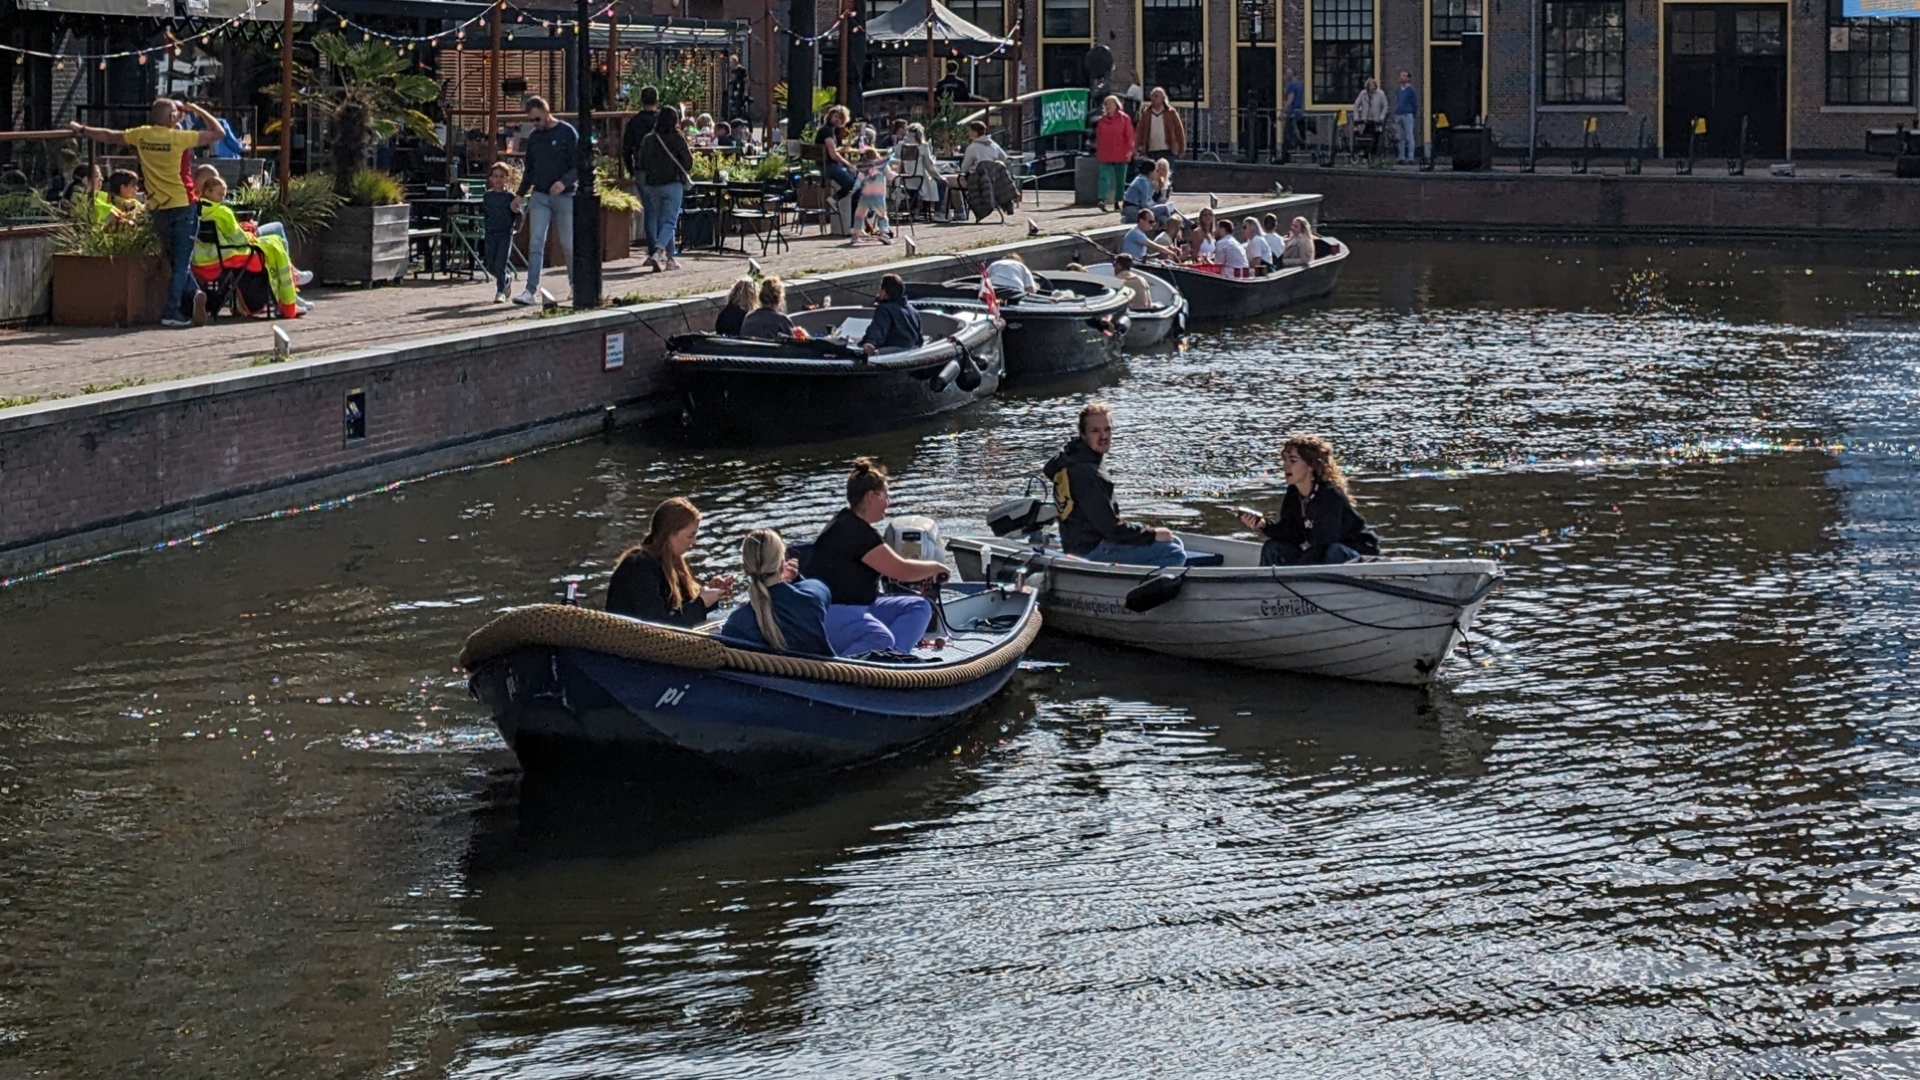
[
  {"x": 127, "y": 468},
  {"x": 1649, "y": 206}
]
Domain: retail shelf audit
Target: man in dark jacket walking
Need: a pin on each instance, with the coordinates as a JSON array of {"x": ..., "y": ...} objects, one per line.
[
  {"x": 552, "y": 170},
  {"x": 1090, "y": 524},
  {"x": 639, "y": 126}
]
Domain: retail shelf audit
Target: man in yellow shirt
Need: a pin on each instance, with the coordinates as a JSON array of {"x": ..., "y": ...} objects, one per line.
[{"x": 166, "y": 163}]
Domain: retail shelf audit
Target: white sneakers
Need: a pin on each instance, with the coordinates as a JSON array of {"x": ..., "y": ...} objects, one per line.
[
  {"x": 526, "y": 298},
  {"x": 302, "y": 277}
]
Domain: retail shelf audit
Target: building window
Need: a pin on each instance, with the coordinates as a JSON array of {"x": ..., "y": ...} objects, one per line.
[
  {"x": 1454, "y": 18},
  {"x": 1255, "y": 21},
  {"x": 1172, "y": 35},
  {"x": 1066, "y": 19},
  {"x": 1869, "y": 61},
  {"x": 1691, "y": 31},
  {"x": 1583, "y": 52},
  {"x": 1063, "y": 63},
  {"x": 1342, "y": 48},
  {"x": 1759, "y": 33}
]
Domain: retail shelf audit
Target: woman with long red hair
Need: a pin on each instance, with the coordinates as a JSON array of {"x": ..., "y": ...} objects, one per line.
[{"x": 652, "y": 580}]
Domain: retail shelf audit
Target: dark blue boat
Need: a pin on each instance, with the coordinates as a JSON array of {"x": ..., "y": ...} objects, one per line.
[{"x": 587, "y": 693}]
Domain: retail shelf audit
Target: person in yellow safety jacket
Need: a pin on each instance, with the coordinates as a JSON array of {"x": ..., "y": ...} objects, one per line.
[{"x": 240, "y": 248}]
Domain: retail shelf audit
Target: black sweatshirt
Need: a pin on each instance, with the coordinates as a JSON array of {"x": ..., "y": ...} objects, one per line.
[
  {"x": 1319, "y": 521},
  {"x": 639, "y": 126},
  {"x": 639, "y": 590},
  {"x": 553, "y": 154},
  {"x": 1084, "y": 494}
]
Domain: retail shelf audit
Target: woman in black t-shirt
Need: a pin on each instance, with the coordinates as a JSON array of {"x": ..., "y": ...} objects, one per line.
[
  {"x": 850, "y": 558},
  {"x": 834, "y": 165},
  {"x": 652, "y": 581}
]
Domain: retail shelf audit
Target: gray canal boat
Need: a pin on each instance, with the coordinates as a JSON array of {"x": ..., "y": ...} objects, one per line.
[
  {"x": 1212, "y": 296},
  {"x": 1073, "y": 323},
  {"x": 824, "y": 385}
]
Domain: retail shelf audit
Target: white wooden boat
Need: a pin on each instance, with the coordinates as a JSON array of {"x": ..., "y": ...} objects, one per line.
[
  {"x": 1385, "y": 620},
  {"x": 1151, "y": 326}
]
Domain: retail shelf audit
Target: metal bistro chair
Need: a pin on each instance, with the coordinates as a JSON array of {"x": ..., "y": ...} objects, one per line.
[{"x": 757, "y": 209}]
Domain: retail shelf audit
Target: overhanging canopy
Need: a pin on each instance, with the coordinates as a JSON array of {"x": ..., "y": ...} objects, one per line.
[{"x": 904, "y": 29}]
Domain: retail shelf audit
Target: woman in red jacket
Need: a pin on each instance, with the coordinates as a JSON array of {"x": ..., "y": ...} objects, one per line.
[{"x": 1113, "y": 138}]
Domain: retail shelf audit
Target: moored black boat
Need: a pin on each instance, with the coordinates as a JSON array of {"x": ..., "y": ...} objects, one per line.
[
  {"x": 1211, "y": 296},
  {"x": 586, "y": 693},
  {"x": 825, "y": 385},
  {"x": 1070, "y": 325}
]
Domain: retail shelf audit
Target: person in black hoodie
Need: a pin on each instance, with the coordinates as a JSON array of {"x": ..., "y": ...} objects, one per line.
[
  {"x": 895, "y": 324},
  {"x": 639, "y": 126},
  {"x": 652, "y": 581},
  {"x": 1318, "y": 525},
  {"x": 1090, "y": 524}
]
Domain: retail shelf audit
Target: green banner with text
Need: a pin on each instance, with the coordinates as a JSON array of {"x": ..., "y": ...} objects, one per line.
[{"x": 1062, "y": 111}]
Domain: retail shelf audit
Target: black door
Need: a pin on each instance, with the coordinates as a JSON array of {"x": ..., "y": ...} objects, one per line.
[
  {"x": 1256, "y": 126},
  {"x": 1726, "y": 63},
  {"x": 1455, "y": 73}
]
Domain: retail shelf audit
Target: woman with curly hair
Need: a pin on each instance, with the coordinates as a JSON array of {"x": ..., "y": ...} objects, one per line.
[{"x": 1317, "y": 525}]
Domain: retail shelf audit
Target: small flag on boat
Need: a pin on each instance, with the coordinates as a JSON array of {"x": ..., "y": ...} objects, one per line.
[{"x": 987, "y": 296}]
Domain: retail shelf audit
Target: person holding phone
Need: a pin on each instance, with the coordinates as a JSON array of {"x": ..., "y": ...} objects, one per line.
[
  {"x": 1318, "y": 525},
  {"x": 652, "y": 580}
]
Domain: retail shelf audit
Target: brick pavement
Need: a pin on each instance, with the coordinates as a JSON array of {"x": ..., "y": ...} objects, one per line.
[{"x": 51, "y": 361}]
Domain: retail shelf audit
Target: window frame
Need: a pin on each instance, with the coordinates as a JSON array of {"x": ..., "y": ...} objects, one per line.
[
  {"x": 1048, "y": 41},
  {"x": 1618, "y": 96},
  {"x": 1142, "y": 56},
  {"x": 1310, "y": 49},
  {"x": 1894, "y": 30}
]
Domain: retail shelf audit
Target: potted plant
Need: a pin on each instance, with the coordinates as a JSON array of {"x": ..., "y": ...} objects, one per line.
[
  {"x": 369, "y": 93},
  {"x": 107, "y": 273},
  {"x": 307, "y": 211},
  {"x": 618, "y": 210}
]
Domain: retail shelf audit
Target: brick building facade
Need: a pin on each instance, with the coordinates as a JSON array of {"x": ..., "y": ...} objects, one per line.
[{"x": 1808, "y": 81}]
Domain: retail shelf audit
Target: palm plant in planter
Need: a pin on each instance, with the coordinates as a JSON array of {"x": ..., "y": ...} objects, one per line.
[
  {"x": 368, "y": 93},
  {"x": 105, "y": 273}
]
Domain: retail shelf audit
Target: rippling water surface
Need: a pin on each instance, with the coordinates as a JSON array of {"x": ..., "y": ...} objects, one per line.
[{"x": 1659, "y": 820}]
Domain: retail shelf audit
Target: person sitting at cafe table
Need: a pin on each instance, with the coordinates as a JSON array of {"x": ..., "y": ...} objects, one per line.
[
  {"x": 980, "y": 151},
  {"x": 652, "y": 580},
  {"x": 851, "y": 557},
  {"x": 123, "y": 198},
  {"x": 238, "y": 247},
  {"x": 784, "y": 611},
  {"x": 769, "y": 320},
  {"x": 920, "y": 170},
  {"x": 740, "y": 303},
  {"x": 1137, "y": 241},
  {"x": 895, "y": 325},
  {"x": 1317, "y": 525},
  {"x": 1142, "y": 292},
  {"x": 1090, "y": 522}
]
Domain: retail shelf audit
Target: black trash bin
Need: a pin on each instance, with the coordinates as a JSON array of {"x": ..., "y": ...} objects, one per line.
[{"x": 1472, "y": 148}]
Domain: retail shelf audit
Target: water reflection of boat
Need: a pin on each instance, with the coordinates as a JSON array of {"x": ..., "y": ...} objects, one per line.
[
  {"x": 1068, "y": 326},
  {"x": 1388, "y": 620},
  {"x": 1212, "y": 296},
  {"x": 796, "y": 389},
  {"x": 1146, "y": 327},
  {"x": 1303, "y": 724},
  {"x": 584, "y": 692}
]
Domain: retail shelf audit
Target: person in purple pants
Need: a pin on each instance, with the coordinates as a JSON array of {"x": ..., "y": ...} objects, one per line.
[{"x": 850, "y": 558}]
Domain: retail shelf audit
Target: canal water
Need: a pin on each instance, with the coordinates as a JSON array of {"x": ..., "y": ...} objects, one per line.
[{"x": 1661, "y": 819}]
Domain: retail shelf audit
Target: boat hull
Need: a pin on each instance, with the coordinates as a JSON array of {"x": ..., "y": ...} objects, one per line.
[
  {"x": 1357, "y": 621},
  {"x": 1043, "y": 340},
  {"x": 582, "y": 713},
  {"x": 772, "y": 402},
  {"x": 1147, "y": 327},
  {"x": 1212, "y": 298}
]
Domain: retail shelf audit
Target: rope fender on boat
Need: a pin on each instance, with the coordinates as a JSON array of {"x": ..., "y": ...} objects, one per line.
[{"x": 564, "y": 626}]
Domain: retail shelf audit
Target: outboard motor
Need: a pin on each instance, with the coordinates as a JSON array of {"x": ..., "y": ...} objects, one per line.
[
  {"x": 916, "y": 537},
  {"x": 1025, "y": 516}
]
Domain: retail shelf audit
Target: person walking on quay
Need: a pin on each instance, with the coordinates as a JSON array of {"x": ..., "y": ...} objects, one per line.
[
  {"x": 1294, "y": 109},
  {"x": 666, "y": 173},
  {"x": 1113, "y": 139},
  {"x": 552, "y": 171},
  {"x": 1160, "y": 135},
  {"x": 639, "y": 126},
  {"x": 165, "y": 159},
  {"x": 496, "y": 246},
  {"x": 1406, "y": 106}
]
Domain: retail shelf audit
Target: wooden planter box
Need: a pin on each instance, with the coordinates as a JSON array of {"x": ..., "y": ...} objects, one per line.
[
  {"x": 102, "y": 290},
  {"x": 616, "y": 234},
  {"x": 364, "y": 243}
]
